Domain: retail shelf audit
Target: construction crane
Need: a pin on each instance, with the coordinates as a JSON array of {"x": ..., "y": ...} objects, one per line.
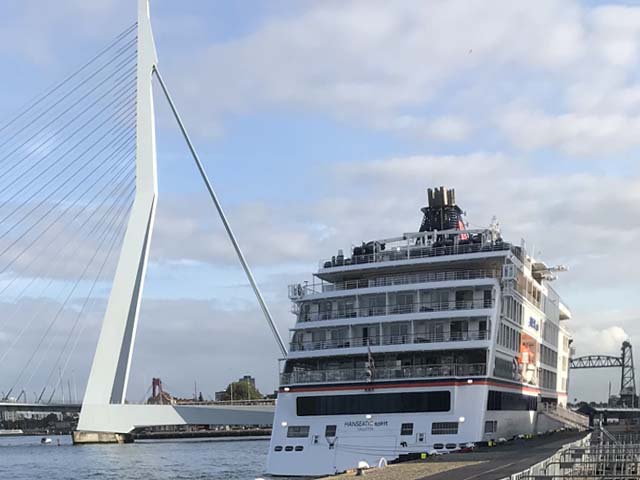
[{"x": 624, "y": 361}]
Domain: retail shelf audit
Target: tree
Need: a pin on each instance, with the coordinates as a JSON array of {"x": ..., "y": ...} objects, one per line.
[{"x": 241, "y": 391}]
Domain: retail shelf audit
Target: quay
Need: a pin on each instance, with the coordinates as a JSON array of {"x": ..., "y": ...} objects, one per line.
[
  {"x": 605, "y": 453},
  {"x": 484, "y": 463}
]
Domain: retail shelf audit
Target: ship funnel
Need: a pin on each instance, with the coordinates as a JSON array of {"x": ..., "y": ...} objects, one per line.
[
  {"x": 441, "y": 197},
  {"x": 442, "y": 213}
]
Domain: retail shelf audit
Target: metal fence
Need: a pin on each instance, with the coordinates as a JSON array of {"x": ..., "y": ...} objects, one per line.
[{"x": 600, "y": 455}]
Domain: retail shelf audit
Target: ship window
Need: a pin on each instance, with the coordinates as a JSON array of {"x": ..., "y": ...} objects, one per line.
[
  {"x": 406, "y": 429},
  {"x": 510, "y": 401},
  {"x": 298, "y": 431},
  {"x": 404, "y": 303},
  {"x": 459, "y": 330},
  {"x": 330, "y": 431},
  {"x": 299, "y": 448},
  {"x": 438, "y": 446},
  {"x": 325, "y": 310},
  {"x": 491, "y": 426},
  {"x": 435, "y": 332},
  {"x": 288, "y": 448},
  {"x": 444, "y": 428},
  {"x": 487, "y": 299},
  {"x": 346, "y": 308},
  {"x": 451, "y": 446},
  {"x": 440, "y": 300},
  {"x": 410, "y": 402},
  {"x": 278, "y": 448}
]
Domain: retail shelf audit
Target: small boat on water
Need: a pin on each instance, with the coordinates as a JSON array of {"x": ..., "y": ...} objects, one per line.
[{"x": 46, "y": 441}]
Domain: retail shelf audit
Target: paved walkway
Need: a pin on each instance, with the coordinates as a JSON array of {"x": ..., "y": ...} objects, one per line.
[{"x": 504, "y": 460}]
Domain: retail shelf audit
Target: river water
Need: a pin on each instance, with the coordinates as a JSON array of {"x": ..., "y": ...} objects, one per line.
[{"x": 24, "y": 458}]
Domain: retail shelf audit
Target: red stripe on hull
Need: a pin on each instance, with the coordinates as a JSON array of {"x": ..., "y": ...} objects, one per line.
[{"x": 378, "y": 386}]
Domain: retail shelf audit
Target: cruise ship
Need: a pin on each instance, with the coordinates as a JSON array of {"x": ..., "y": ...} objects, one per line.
[{"x": 420, "y": 343}]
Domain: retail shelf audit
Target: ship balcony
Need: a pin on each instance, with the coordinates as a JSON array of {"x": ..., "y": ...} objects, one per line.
[
  {"x": 383, "y": 374},
  {"x": 299, "y": 291},
  {"x": 418, "y": 338},
  {"x": 409, "y": 254},
  {"x": 393, "y": 310}
]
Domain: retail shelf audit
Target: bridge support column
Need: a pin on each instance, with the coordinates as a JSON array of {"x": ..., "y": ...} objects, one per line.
[{"x": 88, "y": 438}]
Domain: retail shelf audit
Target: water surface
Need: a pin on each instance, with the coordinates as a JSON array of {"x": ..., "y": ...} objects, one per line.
[{"x": 24, "y": 458}]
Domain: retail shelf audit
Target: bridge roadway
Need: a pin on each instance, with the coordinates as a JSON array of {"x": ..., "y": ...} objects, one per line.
[
  {"x": 504, "y": 460},
  {"x": 127, "y": 417},
  {"x": 40, "y": 407}
]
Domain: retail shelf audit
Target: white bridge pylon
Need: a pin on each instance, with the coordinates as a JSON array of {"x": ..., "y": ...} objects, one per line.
[{"x": 105, "y": 415}]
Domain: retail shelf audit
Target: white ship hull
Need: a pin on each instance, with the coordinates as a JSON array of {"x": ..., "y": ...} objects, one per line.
[{"x": 372, "y": 437}]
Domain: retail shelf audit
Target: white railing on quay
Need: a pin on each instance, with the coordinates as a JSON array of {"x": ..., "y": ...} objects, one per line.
[{"x": 550, "y": 465}]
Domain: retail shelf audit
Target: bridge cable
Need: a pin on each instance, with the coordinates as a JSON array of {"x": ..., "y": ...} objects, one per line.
[
  {"x": 62, "y": 259},
  {"x": 118, "y": 138},
  {"x": 57, "y": 315},
  {"x": 42, "y": 217},
  {"x": 115, "y": 114},
  {"x": 225, "y": 222},
  {"x": 69, "y": 250},
  {"x": 116, "y": 235},
  {"x": 48, "y": 92}
]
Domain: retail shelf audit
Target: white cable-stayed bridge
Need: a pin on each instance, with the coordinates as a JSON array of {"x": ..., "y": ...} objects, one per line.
[{"x": 78, "y": 196}]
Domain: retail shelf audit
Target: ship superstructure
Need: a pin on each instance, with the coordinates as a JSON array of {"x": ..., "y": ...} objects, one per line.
[{"x": 417, "y": 343}]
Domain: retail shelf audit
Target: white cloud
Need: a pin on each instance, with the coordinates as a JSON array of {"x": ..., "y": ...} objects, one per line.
[
  {"x": 38, "y": 30},
  {"x": 573, "y": 133},
  {"x": 435, "y": 70},
  {"x": 445, "y": 128},
  {"x": 381, "y": 198}
]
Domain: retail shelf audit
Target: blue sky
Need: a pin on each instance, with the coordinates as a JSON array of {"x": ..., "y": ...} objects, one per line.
[{"x": 322, "y": 123}]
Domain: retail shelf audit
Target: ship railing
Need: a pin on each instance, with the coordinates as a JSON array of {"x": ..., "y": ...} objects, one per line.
[
  {"x": 385, "y": 373},
  {"x": 390, "y": 340},
  {"x": 412, "y": 253},
  {"x": 511, "y": 289},
  {"x": 256, "y": 402},
  {"x": 298, "y": 291},
  {"x": 376, "y": 311}
]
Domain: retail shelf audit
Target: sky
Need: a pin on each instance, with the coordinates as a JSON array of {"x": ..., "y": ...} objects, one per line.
[{"x": 321, "y": 125}]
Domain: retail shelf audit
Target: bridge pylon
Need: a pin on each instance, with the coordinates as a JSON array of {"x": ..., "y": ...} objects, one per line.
[
  {"x": 109, "y": 375},
  {"x": 105, "y": 417}
]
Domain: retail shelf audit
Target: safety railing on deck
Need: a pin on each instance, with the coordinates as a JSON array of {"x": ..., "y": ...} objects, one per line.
[
  {"x": 298, "y": 291},
  {"x": 422, "y": 307},
  {"x": 390, "y": 340},
  {"x": 384, "y": 373},
  {"x": 227, "y": 403},
  {"x": 412, "y": 253}
]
